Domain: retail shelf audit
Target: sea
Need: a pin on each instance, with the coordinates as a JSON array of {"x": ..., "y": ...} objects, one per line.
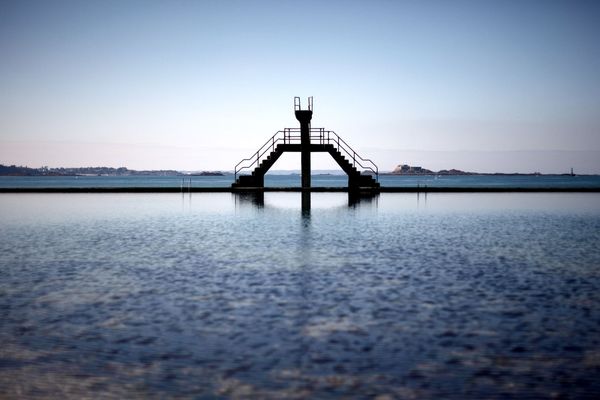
[
  {"x": 297, "y": 295},
  {"x": 293, "y": 180}
]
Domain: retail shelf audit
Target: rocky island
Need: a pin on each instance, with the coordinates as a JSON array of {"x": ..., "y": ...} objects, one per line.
[{"x": 404, "y": 169}]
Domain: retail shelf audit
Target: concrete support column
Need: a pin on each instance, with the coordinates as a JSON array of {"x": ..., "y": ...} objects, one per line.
[
  {"x": 304, "y": 117},
  {"x": 305, "y": 153}
]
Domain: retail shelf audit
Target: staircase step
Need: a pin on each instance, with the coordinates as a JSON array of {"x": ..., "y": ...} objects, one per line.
[{"x": 345, "y": 161}]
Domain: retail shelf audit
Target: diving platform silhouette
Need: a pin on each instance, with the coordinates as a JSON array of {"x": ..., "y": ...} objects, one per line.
[{"x": 362, "y": 173}]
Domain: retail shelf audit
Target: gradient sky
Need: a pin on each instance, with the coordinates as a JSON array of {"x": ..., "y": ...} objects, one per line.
[{"x": 192, "y": 85}]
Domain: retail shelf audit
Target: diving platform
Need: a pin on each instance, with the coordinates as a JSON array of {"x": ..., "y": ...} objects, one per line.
[{"x": 362, "y": 173}]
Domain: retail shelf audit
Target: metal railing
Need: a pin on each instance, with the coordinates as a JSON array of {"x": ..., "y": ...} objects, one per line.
[
  {"x": 317, "y": 136},
  {"x": 298, "y": 107}
]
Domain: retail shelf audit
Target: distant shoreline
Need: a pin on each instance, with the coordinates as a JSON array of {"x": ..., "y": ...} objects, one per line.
[
  {"x": 21, "y": 171},
  {"x": 14, "y": 170},
  {"x": 388, "y": 189},
  {"x": 218, "y": 173},
  {"x": 485, "y": 174}
]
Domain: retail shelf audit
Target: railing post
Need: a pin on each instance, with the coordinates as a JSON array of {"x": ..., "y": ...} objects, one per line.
[{"x": 257, "y": 158}]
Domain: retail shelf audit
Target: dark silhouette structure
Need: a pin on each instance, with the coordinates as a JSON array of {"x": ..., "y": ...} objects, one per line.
[
  {"x": 307, "y": 140},
  {"x": 304, "y": 117}
]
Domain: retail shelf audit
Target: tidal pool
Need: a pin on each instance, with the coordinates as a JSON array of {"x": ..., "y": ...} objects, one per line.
[{"x": 230, "y": 296}]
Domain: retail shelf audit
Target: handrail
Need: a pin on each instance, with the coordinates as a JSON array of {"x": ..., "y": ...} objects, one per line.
[
  {"x": 258, "y": 155},
  {"x": 356, "y": 155},
  {"x": 298, "y": 106},
  {"x": 372, "y": 167},
  {"x": 323, "y": 136}
]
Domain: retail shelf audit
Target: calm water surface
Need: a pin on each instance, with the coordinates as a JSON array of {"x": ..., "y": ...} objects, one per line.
[
  {"x": 227, "y": 296},
  {"x": 512, "y": 181}
]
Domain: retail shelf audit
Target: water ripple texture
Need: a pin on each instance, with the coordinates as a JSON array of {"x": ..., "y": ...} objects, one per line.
[{"x": 458, "y": 296}]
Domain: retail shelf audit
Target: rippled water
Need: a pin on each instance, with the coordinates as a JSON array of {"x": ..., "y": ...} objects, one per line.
[{"x": 222, "y": 295}]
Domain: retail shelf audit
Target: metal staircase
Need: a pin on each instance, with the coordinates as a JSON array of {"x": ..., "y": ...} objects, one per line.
[{"x": 362, "y": 172}]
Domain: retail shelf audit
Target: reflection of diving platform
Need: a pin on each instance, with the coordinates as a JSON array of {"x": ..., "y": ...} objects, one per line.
[{"x": 306, "y": 140}]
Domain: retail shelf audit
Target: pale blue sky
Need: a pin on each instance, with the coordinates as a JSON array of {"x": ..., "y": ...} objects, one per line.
[{"x": 479, "y": 85}]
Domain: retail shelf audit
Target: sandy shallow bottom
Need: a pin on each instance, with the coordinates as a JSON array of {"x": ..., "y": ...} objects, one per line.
[{"x": 223, "y": 296}]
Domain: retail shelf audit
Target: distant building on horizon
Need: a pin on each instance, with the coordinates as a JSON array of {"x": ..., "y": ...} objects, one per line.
[{"x": 405, "y": 169}]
